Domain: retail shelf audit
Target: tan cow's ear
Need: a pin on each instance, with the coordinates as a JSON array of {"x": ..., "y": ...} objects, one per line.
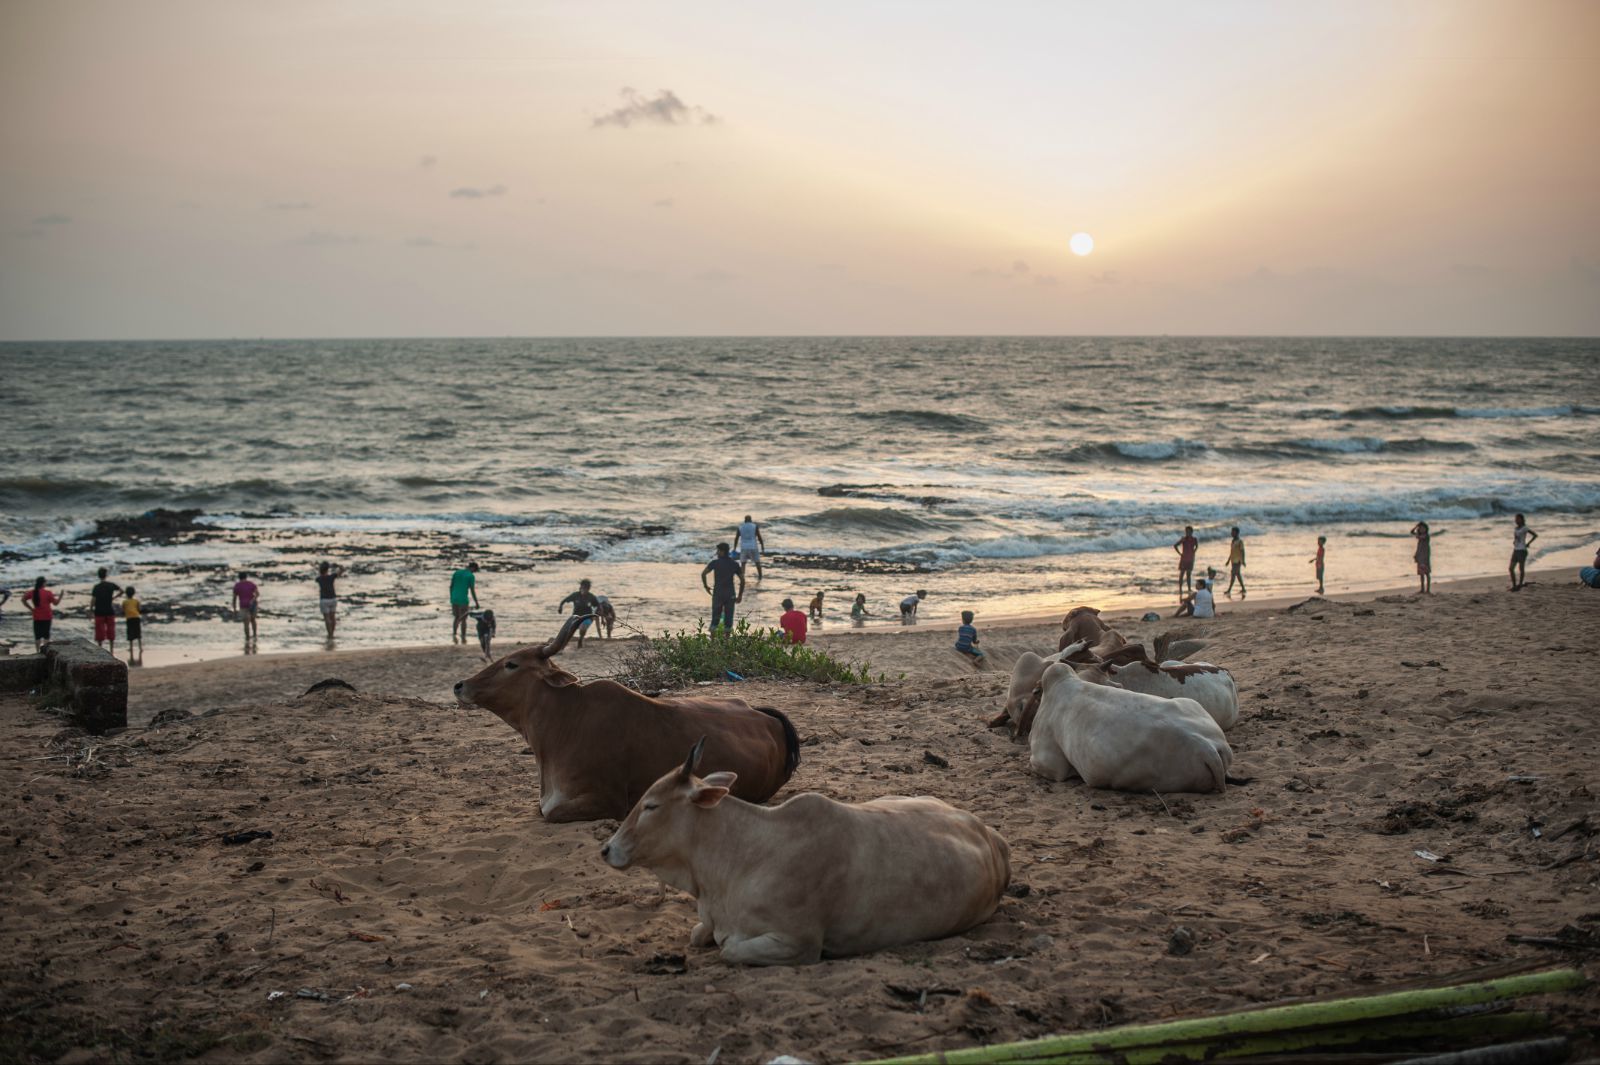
[
  {"x": 723, "y": 779},
  {"x": 560, "y": 679},
  {"x": 707, "y": 796}
]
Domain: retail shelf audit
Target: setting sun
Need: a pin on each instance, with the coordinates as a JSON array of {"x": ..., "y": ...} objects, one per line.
[{"x": 1081, "y": 244}]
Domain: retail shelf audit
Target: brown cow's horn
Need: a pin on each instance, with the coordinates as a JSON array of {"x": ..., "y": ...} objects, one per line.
[
  {"x": 555, "y": 646},
  {"x": 691, "y": 763}
]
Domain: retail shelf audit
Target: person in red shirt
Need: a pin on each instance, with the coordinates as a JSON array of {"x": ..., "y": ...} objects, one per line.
[
  {"x": 43, "y": 601},
  {"x": 793, "y": 622},
  {"x": 1185, "y": 549}
]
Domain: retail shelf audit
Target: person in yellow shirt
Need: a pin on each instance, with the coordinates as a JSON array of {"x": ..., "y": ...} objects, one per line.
[
  {"x": 1235, "y": 564},
  {"x": 131, "y": 618}
]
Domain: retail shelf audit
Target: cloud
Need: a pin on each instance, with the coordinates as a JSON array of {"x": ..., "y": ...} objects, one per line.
[
  {"x": 322, "y": 238},
  {"x": 662, "y": 203},
  {"x": 1046, "y": 281},
  {"x": 1019, "y": 267},
  {"x": 427, "y": 161},
  {"x": 467, "y": 192},
  {"x": 1108, "y": 277},
  {"x": 53, "y": 220},
  {"x": 662, "y": 109},
  {"x": 290, "y": 205},
  {"x": 429, "y": 242}
]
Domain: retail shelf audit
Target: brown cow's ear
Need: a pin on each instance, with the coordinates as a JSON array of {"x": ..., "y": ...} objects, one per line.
[
  {"x": 723, "y": 779},
  {"x": 707, "y": 796},
  {"x": 560, "y": 679}
]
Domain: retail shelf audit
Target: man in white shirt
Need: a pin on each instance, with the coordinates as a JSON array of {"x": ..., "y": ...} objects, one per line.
[{"x": 750, "y": 545}]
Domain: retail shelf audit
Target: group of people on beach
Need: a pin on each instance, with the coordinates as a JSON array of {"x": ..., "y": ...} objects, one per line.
[
  {"x": 1200, "y": 601},
  {"x": 723, "y": 579}
]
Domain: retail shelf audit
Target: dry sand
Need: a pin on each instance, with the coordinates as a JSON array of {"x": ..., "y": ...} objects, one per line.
[{"x": 407, "y": 849}]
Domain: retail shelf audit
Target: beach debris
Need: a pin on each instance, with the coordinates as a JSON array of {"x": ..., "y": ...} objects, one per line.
[
  {"x": 1568, "y": 937},
  {"x": 168, "y": 716},
  {"x": 1437, "y": 1015},
  {"x": 328, "y": 685},
  {"x": 1259, "y": 958},
  {"x": 483, "y": 994},
  {"x": 402, "y": 987},
  {"x": 1018, "y": 890},
  {"x": 1180, "y": 942},
  {"x": 1429, "y": 856},
  {"x": 1150, "y": 615},
  {"x": 932, "y": 759},
  {"x": 551, "y": 904},
  {"x": 273, "y": 996},
  {"x": 716, "y": 1052},
  {"x": 731, "y": 675},
  {"x": 364, "y": 937},
  {"x": 662, "y": 964},
  {"x": 313, "y": 994},
  {"x": 330, "y": 890},
  {"x": 788, "y": 1059},
  {"x": 234, "y": 839},
  {"x": 1432, "y": 663}
]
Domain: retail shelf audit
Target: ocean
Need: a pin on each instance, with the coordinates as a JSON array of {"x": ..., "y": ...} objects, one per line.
[{"x": 1006, "y": 475}]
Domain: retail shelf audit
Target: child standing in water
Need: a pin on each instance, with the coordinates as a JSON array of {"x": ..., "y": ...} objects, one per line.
[
  {"x": 967, "y": 637},
  {"x": 1322, "y": 542},
  {"x": 1236, "y": 564},
  {"x": 1423, "y": 557},
  {"x": 135, "y": 624}
]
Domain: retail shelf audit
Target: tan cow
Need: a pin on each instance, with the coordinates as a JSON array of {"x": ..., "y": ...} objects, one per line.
[
  {"x": 1083, "y": 623},
  {"x": 601, "y": 745},
  {"x": 812, "y": 877},
  {"x": 1022, "y": 698},
  {"x": 1114, "y": 738}
]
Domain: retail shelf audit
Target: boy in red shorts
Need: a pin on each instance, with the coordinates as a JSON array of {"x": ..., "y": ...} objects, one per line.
[{"x": 105, "y": 594}]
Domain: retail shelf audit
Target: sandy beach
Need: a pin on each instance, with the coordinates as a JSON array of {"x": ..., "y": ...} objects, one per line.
[{"x": 412, "y": 890}]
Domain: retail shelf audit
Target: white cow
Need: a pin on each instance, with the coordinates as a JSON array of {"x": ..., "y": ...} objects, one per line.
[
  {"x": 788, "y": 884},
  {"x": 1114, "y": 738},
  {"x": 1210, "y": 686}
]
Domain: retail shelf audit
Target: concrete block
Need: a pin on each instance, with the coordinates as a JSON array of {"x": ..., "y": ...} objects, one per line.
[{"x": 20, "y": 673}]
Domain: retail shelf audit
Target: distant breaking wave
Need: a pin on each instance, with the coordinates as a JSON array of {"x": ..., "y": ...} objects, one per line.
[
  {"x": 940, "y": 421},
  {"x": 1401, "y": 412}
]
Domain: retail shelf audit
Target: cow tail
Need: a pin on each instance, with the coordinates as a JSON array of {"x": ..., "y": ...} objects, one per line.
[
  {"x": 791, "y": 739},
  {"x": 1219, "y": 772}
]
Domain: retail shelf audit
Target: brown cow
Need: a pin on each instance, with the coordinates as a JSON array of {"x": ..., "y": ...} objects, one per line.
[
  {"x": 1083, "y": 623},
  {"x": 601, "y": 745}
]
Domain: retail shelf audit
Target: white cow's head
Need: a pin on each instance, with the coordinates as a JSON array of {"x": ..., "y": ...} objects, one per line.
[{"x": 660, "y": 828}]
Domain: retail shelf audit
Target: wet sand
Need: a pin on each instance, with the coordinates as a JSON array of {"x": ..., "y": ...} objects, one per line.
[{"x": 407, "y": 849}]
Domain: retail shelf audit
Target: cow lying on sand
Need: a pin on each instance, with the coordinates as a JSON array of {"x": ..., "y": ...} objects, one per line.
[
  {"x": 1210, "y": 686},
  {"x": 601, "y": 745},
  {"x": 1083, "y": 624},
  {"x": 788, "y": 884},
  {"x": 1129, "y": 741}
]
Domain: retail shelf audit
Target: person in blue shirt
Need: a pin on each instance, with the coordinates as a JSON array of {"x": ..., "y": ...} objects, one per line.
[{"x": 967, "y": 637}]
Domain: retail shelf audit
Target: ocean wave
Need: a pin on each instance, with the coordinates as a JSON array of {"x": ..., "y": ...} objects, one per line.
[
  {"x": 936, "y": 420},
  {"x": 1405, "y": 411},
  {"x": 859, "y": 520},
  {"x": 1123, "y": 450}
]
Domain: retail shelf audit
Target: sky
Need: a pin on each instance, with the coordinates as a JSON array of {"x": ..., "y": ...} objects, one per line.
[{"x": 392, "y": 168}]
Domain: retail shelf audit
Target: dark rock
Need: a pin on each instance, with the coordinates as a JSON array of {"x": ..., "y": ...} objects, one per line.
[
  {"x": 153, "y": 526},
  {"x": 328, "y": 685}
]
